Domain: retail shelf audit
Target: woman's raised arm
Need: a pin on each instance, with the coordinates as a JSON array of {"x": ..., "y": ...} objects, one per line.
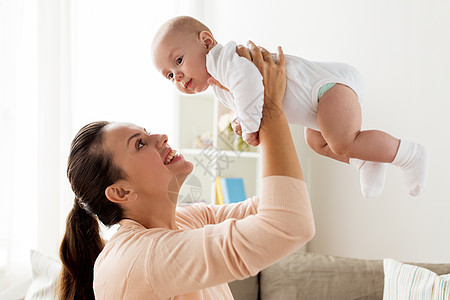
[{"x": 277, "y": 148}]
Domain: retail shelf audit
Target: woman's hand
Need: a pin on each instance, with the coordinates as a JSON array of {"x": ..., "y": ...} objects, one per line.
[{"x": 277, "y": 148}]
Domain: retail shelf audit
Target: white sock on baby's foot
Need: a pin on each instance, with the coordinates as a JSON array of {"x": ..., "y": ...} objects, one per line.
[
  {"x": 413, "y": 159},
  {"x": 371, "y": 175}
]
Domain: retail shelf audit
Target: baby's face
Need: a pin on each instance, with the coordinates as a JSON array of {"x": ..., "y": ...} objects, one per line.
[{"x": 181, "y": 58}]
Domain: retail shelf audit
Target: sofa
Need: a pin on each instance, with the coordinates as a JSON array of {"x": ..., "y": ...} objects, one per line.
[
  {"x": 320, "y": 277},
  {"x": 299, "y": 276}
]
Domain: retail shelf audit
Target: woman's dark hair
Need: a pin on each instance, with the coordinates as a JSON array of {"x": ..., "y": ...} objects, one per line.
[{"x": 90, "y": 170}]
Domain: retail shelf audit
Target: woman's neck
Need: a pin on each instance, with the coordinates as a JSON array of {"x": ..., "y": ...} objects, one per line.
[
  {"x": 157, "y": 210},
  {"x": 153, "y": 212},
  {"x": 156, "y": 219}
]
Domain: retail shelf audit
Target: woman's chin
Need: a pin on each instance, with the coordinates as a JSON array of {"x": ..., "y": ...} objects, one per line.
[
  {"x": 188, "y": 170},
  {"x": 190, "y": 167}
]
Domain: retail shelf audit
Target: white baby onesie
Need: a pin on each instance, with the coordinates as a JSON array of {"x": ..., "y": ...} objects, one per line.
[{"x": 304, "y": 78}]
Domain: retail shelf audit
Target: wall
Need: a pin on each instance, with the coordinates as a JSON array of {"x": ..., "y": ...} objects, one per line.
[{"x": 402, "y": 49}]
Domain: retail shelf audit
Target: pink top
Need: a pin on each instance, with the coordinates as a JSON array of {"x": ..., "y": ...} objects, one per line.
[{"x": 213, "y": 245}]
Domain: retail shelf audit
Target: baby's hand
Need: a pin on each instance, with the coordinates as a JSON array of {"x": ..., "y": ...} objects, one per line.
[
  {"x": 252, "y": 138},
  {"x": 236, "y": 125},
  {"x": 212, "y": 81}
]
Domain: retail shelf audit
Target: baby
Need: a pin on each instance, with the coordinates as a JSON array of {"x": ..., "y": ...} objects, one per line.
[{"x": 322, "y": 97}]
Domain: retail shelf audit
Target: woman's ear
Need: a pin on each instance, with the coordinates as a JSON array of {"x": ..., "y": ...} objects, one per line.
[
  {"x": 120, "y": 192},
  {"x": 207, "y": 39}
]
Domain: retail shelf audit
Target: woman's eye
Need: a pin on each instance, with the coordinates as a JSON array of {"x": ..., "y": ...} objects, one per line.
[
  {"x": 179, "y": 60},
  {"x": 170, "y": 76},
  {"x": 139, "y": 144}
]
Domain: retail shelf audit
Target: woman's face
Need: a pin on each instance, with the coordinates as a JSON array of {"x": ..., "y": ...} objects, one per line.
[{"x": 146, "y": 159}]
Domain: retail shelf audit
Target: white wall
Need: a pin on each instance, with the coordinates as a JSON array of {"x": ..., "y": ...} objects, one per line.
[{"x": 403, "y": 50}]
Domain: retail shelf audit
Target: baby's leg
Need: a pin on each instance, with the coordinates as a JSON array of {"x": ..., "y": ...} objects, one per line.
[
  {"x": 315, "y": 141},
  {"x": 372, "y": 174},
  {"x": 339, "y": 119}
]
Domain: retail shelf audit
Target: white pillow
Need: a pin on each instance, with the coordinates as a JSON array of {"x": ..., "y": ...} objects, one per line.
[
  {"x": 45, "y": 275},
  {"x": 403, "y": 281}
]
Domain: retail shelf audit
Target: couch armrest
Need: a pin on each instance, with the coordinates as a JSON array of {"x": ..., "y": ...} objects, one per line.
[{"x": 247, "y": 289}]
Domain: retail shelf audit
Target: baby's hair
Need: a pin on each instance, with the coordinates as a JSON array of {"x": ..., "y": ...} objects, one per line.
[{"x": 186, "y": 25}]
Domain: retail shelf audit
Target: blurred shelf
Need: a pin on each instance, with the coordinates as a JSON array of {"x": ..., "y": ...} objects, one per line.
[
  {"x": 198, "y": 125},
  {"x": 230, "y": 153}
]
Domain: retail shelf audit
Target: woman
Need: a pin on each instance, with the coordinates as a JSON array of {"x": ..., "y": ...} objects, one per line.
[{"x": 122, "y": 174}]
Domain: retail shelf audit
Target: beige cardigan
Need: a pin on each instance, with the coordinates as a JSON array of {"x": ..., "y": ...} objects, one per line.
[{"x": 213, "y": 245}]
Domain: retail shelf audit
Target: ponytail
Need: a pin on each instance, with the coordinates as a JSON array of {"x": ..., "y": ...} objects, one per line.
[
  {"x": 90, "y": 169},
  {"x": 79, "y": 249}
]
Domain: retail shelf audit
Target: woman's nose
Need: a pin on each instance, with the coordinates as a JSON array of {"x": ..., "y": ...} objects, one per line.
[{"x": 162, "y": 140}]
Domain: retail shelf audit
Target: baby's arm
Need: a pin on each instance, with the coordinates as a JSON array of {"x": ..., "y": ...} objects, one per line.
[
  {"x": 244, "y": 81},
  {"x": 248, "y": 91}
]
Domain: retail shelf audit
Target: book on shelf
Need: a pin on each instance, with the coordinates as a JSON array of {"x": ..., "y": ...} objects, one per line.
[
  {"x": 229, "y": 190},
  {"x": 219, "y": 195}
]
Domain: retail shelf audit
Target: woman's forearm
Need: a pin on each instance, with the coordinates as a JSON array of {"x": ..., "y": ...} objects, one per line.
[
  {"x": 278, "y": 152},
  {"x": 277, "y": 148}
]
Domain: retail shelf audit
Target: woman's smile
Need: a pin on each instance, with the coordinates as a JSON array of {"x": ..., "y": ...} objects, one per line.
[{"x": 171, "y": 156}]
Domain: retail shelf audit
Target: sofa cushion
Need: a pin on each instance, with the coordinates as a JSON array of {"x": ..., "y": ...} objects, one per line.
[
  {"x": 314, "y": 276},
  {"x": 405, "y": 281},
  {"x": 45, "y": 275},
  {"x": 16, "y": 291}
]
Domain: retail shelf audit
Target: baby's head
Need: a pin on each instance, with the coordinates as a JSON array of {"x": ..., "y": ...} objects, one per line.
[{"x": 179, "y": 51}]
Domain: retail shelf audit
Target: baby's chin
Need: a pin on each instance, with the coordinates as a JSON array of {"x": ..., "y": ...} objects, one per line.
[
  {"x": 196, "y": 90},
  {"x": 201, "y": 89},
  {"x": 189, "y": 92}
]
